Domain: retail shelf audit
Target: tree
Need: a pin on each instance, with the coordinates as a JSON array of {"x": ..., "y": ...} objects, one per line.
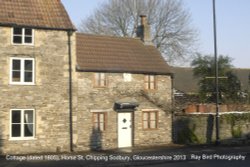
[
  {"x": 229, "y": 87},
  {"x": 170, "y": 24}
]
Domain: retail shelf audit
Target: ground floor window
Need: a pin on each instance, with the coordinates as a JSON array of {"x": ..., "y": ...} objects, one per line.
[
  {"x": 22, "y": 123},
  {"x": 150, "y": 119},
  {"x": 99, "y": 121}
]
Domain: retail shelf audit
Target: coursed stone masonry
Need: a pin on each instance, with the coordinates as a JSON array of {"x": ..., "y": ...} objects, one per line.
[
  {"x": 103, "y": 99},
  {"x": 48, "y": 97}
]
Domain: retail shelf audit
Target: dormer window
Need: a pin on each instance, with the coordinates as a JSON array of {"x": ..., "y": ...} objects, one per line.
[{"x": 22, "y": 36}]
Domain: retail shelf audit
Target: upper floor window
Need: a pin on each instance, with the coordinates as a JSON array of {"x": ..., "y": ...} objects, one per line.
[
  {"x": 22, "y": 124},
  {"x": 99, "y": 121},
  {"x": 22, "y": 71},
  {"x": 150, "y": 82},
  {"x": 23, "y": 36},
  {"x": 100, "y": 80}
]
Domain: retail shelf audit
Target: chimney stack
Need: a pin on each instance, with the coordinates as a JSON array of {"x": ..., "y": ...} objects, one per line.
[{"x": 144, "y": 31}]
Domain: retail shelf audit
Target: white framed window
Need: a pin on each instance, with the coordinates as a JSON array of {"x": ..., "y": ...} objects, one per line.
[
  {"x": 22, "y": 124},
  {"x": 22, "y": 71},
  {"x": 22, "y": 36}
]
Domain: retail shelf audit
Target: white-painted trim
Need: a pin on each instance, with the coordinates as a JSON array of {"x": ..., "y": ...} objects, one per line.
[
  {"x": 22, "y": 71},
  {"x": 22, "y": 125},
  {"x": 22, "y": 139},
  {"x": 23, "y": 37}
]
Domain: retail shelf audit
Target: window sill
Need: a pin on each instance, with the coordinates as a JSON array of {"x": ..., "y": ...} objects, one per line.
[
  {"x": 22, "y": 139},
  {"x": 23, "y": 84},
  {"x": 22, "y": 44}
]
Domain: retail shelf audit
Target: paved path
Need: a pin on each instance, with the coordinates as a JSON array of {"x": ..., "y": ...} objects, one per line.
[{"x": 157, "y": 157}]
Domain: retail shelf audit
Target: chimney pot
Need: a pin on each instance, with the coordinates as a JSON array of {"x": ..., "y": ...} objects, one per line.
[{"x": 143, "y": 19}]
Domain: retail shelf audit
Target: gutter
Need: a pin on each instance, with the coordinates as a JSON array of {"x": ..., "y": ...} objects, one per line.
[
  {"x": 37, "y": 27},
  {"x": 172, "y": 108},
  {"x": 79, "y": 69},
  {"x": 70, "y": 32}
]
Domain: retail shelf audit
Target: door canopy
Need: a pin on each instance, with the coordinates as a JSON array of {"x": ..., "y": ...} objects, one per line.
[{"x": 126, "y": 104}]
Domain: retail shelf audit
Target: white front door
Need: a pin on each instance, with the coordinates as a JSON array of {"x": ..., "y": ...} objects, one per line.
[{"x": 124, "y": 130}]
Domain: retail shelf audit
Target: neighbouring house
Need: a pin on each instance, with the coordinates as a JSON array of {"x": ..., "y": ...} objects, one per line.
[
  {"x": 191, "y": 86},
  {"x": 65, "y": 91},
  {"x": 186, "y": 89}
]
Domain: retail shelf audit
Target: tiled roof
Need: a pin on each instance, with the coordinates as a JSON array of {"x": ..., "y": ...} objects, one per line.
[
  {"x": 49, "y": 14},
  {"x": 118, "y": 54},
  {"x": 185, "y": 81}
]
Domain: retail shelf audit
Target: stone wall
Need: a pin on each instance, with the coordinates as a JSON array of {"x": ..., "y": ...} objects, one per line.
[
  {"x": 201, "y": 128},
  {"x": 48, "y": 97},
  {"x": 102, "y": 99}
]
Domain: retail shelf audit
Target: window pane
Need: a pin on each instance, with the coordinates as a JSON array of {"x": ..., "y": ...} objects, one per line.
[
  {"x": 28, "y": 40},
  {"x": 16, "y": 76},
  {"x": 16, "y": 130},
  {"x": 28, "y": 31},
  {"x": 96, "y": 76},
  {"x": 17, "y": 39},
  {"x": 28, "y": 116},
  {"x": 97, "y": 79},
  {"x": 102, "y": 83},
  {"x": 152, "y": 124},
  {"x": 28, "y": 65},
  {"x": 28, "y": 77},
  {"x": 95, "y": 118},
  {"x": 152, "y": 85},
  {"x": 101, "y": 116},
  {"x": 145, "y": 124},
  {"x": 101, "y": 128},
  {"x": 17, "y": 31},
  {"x": 16, "y": 64},
  {"x": 28, "y": 130},
  {"x": 145, "y": 116},
  {"x": 152, "y": 78},
  {"x": 16, "y": 116},
  {"x": 152, "y": 116},
  {"x": 102, "y": 76},
  {"x": 96, "y": 126}
]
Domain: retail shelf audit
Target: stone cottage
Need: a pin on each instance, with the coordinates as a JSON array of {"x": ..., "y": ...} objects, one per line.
[{"x": 64, "y": 91}]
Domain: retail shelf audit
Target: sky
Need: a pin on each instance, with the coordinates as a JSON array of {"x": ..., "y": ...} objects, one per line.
[{"x": 233, "y": 25}]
